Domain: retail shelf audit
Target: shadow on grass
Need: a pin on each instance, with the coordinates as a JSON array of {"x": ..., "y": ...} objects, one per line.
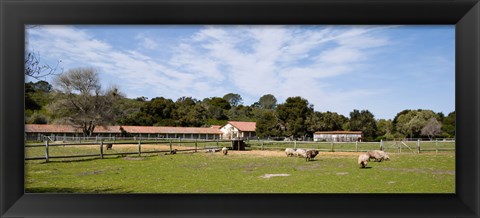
[
  {"x": 59, "y": 190},
  {"x": 366, "y": 168}
]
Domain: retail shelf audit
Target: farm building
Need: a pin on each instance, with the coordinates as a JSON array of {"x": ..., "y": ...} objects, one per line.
[
  {"x": 61, "y": 132},
  {"x": 237, "y": 129},
  {"x": 337, "y": 136}
]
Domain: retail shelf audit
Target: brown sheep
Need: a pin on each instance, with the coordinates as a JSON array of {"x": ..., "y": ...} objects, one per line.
[
  {"x": 311, "y": 155},
  {"x": 109, "y": 146}
]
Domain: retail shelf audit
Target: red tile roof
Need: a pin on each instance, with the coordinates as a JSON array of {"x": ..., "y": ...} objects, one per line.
[
  {"x": 45, "y": 128},
  {"x": 244, "y": 126},
  {"x": 338, "y": 132}
]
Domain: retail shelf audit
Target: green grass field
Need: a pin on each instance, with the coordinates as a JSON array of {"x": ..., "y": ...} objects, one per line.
[{"x": 238, "y": 172}]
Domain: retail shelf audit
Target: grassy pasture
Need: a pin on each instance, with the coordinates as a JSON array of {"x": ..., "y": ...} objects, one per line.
[{"x": 238, "y": 172}]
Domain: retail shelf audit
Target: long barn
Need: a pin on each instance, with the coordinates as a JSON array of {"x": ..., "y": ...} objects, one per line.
[{"x": 60, "y": 132}]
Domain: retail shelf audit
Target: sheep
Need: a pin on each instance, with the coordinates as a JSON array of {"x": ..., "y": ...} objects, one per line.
[
  {"x": 378, "y": 155},
  {"x": 225, "y": 151},
  {"x": 109, "y": 146},
  {"x": 290, "y": 151},
  {"x": 311, "y": 155},
  {"x": 300, "y": 152},
  {"x": 363, "y": 160}
]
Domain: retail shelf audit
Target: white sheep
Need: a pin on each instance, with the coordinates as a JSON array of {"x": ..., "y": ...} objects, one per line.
[
  {"x": 363, "y": 160},
  {"x": 378, "y": 155},
  {"x": 299, "y": 152},
  {"x": 225, "y": 151},
  {"x": 290, "y": 151}
]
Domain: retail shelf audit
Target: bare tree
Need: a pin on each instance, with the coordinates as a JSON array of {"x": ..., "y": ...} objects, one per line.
[
  {"x": 81, "y": 101},
  {"x": 432, "y": 128},
  {"x": 33, "y": 66}
]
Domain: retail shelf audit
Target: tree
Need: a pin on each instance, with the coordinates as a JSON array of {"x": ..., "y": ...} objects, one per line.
[
  {"x": 328, "y": 121},
  {"x": 268, "y": 125},
  {"x": 448, "y": 125},
  {"x": 32, "y": 66},
  {"x": 241, "y": 113},
  {"x": 216, "y": 108},
  {"x": 267, "y": 101},
  {"x": 81, "y": 100},
  {"x": 432, "y": 128},
  {"x": 233, "y": 99},
  {"x": 189, "y": 112},
  {"x": 292, "y": 115},
  {"x": 411, "y": 123},
  {"x": 363, "y": 121},
  {"x": 384, "y": 129}
]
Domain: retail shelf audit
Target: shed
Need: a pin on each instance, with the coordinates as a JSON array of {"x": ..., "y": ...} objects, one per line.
[{"x": 337, "y": 136}]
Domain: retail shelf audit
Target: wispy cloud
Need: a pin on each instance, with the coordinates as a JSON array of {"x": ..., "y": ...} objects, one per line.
[{"x": 213, "y": 60}]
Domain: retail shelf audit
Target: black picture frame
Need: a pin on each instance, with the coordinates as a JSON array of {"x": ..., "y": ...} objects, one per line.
[{"x": 465, "y": 14}]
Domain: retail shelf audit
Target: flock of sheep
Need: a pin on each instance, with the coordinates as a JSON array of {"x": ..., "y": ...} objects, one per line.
[
  {"x": 376, "y": 155},
  {"x": 310, "y": 154},
  {"x": 300, "y": 152}
]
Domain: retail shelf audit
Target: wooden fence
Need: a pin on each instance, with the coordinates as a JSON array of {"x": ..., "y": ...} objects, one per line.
[
  {"x": 400, "y": 146},
  {"x": 139, "y": 152},
  {"x": 389, "y": 146}
]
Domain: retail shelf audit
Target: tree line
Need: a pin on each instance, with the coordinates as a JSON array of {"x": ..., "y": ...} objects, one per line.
[{"x": 76, "y": 97}]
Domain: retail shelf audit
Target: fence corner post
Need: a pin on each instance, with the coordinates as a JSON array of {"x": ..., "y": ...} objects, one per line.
[
  {"x": 46, "y": 150},
  {"x": 418, "y": 146},
  {"x": 101, "y": 149},
  {"x": 139, "y": 148}
]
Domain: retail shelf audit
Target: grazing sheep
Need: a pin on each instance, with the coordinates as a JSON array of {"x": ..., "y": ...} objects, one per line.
[
  {"x": 378, "y": 155},
  {"x": 225, "y": 151},
  {"x": 290, "y": 151},
  {"x": 109, "y": 146},
  {"x": 300, "y": 152},
  {"x": 311, "y": 155},
  {"x": 385, "y": 156},
  {"x": 363, "y": 160}
]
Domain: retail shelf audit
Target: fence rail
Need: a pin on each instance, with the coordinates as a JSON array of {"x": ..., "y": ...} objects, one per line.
[
  {"x": 207, "y": 144},
  {"x": 403, "y": 146}
]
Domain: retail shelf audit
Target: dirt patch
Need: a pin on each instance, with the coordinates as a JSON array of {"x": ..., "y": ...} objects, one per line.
[
  {"x": 133, "y": 158},
  {"x": 268, "y": 176}
]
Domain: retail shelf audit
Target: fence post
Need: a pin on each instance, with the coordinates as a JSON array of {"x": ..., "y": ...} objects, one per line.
[
  {"x": 46, "y": 150},
  {"x": 436, "y": 145},
  {"x": 139, "y": 148},
  {"x": 381, "y": 144},
  {"x": 356, "y": 146},
  {"x": 101, "y": 149},
  {"x": 262, "y": 145},
  {"x": 196, "y": 144},
  {"x": 217, "y": 142},
  {"x": 295, "y": 144},
  {"x": 332, "y": 147},
  {"x": 171, "y": 145},
  {"x": 418, "y": 145}
]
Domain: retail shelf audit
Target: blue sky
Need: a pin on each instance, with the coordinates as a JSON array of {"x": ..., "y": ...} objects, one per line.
[{"x": 383, "y": 69}]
